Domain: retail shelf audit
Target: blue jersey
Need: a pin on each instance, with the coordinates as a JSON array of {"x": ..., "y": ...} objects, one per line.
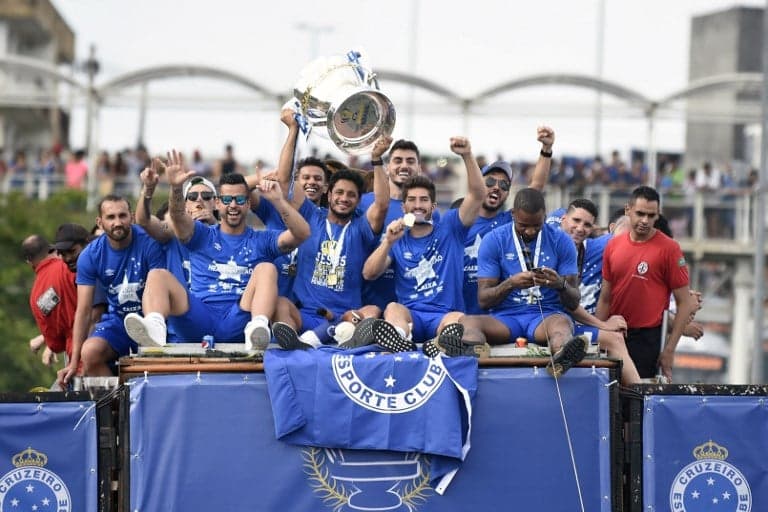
[
  {"x": 556, "y": 217},
  {"x": 592, "y": 271},
  {"x": 221, "y": 264},
  {"x": 499, "y": 259},
  {"x": 177, "y": 260},
  {"x": 285, "y": 263},
  {"x": 475, "y": 235},
  {"x": 428, "y": 270},
  {"x": 381, "y": 291},
  {"x": 330, "y": 265},
  {"x": 122, "y": 273}
]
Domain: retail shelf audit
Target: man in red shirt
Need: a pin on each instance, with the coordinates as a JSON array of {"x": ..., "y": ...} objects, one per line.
[
  {"x": 640, "y": 270},
  {"x": 53, "y": 298}
]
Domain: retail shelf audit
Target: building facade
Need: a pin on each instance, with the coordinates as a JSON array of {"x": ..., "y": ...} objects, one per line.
[{"x": 30, "y": 114}]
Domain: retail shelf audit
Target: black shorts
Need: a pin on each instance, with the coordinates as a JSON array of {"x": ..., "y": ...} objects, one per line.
[{"x": 644, "y": 346}]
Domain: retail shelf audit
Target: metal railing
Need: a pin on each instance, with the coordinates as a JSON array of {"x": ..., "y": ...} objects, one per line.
[
  {"x": 41, "y": 185},
  {"x": 702, "y": 222}
]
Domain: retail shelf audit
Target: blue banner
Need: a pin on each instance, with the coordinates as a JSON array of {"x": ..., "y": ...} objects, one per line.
[
  {"x": 48, "y": 457},
  {"x": 705, "y": 453},
  {"x": 368, "y": 399},
  {"x": 207, "y": 442}
]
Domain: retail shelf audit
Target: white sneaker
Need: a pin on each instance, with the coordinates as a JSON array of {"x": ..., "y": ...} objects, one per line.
[
  {"x": 257, "y": 336},
  {"x": 147, "y": 332}
]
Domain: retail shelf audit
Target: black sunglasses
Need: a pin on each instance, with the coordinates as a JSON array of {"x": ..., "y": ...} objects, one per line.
[
  {"x": 503, "y": 184},
  {"x": 239, "y": 199},
  {"x": 192, "y": 196}
]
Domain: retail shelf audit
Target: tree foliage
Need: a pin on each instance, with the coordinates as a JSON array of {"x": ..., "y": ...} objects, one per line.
[{"x": 20, "y": 217}]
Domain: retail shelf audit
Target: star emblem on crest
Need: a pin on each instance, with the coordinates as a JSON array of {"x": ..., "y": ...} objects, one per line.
[
  {"x": 390, "y": 382},
  {"x": 127, "y": 291},
  {"x": 422, "y": 272},
  {"x": 472, "y": 250},
  {"x": 230, "y": 270}
]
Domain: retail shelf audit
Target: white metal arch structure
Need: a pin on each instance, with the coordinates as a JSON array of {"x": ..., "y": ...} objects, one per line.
[
  {"x": 422, "y": 83},
  {"x": 179, "y": 71},
  {"x": 37, "y": 67},
  {"x": 634, "y": 98},
  {"x": 630, "y": 96},
  {"x": 714, "y": 83}
]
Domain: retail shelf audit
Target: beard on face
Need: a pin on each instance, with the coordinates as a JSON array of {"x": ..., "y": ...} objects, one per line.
[
  {"x": 119, "y": 233},
  {"x": 343, "y": 216},
  {"x": 423, "y": 218},
  {"x": 492, "y": 209},
  {"x": 233, "y": 223},
  {"x": 528, "y": 239}
]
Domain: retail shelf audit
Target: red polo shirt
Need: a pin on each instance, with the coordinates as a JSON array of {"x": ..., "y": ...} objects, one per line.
[{"x": 53, "y": 301}]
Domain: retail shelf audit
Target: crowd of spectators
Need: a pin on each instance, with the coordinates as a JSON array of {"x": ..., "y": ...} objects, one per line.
[{"x": 679, "y": 185}]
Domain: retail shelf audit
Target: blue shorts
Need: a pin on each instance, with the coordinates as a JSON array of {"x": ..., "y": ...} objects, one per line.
[
  {"x": 425, "y": 324},
  {"x": 224, "y": 321},
  {"x": 525, "y": 324},
  {"x": 111, "y": 328},
  {"x": 310, "y": 319},
  {"x": 172, "y": 337}
]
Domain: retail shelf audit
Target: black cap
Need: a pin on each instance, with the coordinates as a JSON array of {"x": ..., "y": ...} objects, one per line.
[{"x": 70, "y": 234}]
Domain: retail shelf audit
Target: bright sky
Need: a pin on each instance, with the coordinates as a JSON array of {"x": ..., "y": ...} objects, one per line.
[{"x": 466, "y": 47}]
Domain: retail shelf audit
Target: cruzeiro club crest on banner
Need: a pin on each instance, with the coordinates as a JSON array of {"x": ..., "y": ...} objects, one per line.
[
  {"x": 29, "y": 486},
  {"x": 389, "y": 395},
  {"x": 710, "y": 483}
]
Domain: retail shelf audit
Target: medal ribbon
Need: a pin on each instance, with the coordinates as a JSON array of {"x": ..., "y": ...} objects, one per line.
[
  {"x": 335, "y": 248},
  {"x": 533, "y": 290}
]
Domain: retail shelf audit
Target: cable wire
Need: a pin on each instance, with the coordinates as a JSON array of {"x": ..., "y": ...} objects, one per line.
[{"x": 562, "y": 410}]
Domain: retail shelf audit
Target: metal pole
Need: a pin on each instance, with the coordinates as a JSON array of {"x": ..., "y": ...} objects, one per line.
[
  {"x": 412, "y": 62},
  {"x": 650, "y": 150},
  {"x": 599, "y": 50},
  {"x": 142, "y": 114},
  {"x": 91, "y": 67},
  {"x": 757, "y": 360},
  {"x": 314, "y": 36},
  {"x": 465, "y": 105}
]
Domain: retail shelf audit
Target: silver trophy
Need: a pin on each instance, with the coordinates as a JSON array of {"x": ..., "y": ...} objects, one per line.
[{"x": 341, "y": 95}]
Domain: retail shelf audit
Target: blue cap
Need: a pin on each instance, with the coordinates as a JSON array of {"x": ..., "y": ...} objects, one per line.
[{"x": 499, "y": 165}]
